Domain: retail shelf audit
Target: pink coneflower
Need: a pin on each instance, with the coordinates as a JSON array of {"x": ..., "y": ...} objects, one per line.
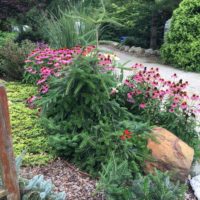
[
  {"x": 142, "y": 105},
  {"x": 174, "y": 105},
  {"x": 195, "y": 97},
  {"x": 130, "y": 95},
  {"x": 40, "y": 81},
  {"x": 184, "y": 106},
  {"x": 174, "y": 75},
  {"x": 171, "y": 110}
]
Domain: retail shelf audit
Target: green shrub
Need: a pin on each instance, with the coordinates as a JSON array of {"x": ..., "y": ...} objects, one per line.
[
  {"x": 27, "y": 132},
  {"x": 85, "y": 123},
  {"x": 89, "y": 150},
  {"x": 182, "y": 47},
  {"x": 81, "y": 97},
  {"x": 116, "y": 180},
  {"x": 117, "y": 183},
  {"x": 157, "y": 186},
  {"x": 12, "y": 56},
  {"x": 5, "y": 37}
]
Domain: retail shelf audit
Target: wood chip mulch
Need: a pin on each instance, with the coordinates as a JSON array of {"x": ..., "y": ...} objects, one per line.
[{"x": 77, "y": 185}]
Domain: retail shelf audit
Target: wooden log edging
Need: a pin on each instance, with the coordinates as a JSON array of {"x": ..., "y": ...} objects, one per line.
[{"x": 7, "y": 160}]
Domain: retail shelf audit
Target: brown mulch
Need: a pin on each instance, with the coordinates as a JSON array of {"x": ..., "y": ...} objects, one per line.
[{"x": 77, "y": 185}]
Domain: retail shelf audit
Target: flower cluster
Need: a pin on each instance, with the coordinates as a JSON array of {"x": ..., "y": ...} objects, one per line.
[
  {"x": 107, "y": 61},
  {"x": 147, "y": 88},
  {"x": 44, "y": 63},
  {"x": 126, "y": 135}
]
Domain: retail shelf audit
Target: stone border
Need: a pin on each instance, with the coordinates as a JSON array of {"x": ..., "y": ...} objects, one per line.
[{"x": 133, "y": 50}]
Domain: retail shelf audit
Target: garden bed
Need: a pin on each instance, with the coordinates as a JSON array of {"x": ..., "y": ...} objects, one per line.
[{"x": 77, "y": 184}]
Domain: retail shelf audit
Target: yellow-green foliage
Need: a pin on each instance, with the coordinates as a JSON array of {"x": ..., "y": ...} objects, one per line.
[
  {"x": 182, "y": 47},
  {"x": 26, "y": 130}
]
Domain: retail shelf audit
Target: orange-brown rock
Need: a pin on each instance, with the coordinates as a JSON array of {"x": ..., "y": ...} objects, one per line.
[{"x": 170, "y": 154}]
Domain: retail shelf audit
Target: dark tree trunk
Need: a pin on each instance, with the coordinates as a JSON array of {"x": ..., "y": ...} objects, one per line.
[{"x": 154, "y": 31}]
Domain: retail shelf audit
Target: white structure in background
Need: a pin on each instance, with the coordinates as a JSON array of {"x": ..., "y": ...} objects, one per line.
[
  {"x": 23, "y": 28},
  {"x": 79, "y": 26},
  {"x": 167, "y": 27}
]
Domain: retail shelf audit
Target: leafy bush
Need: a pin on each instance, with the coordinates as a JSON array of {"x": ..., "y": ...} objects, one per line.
[
  {"x": 26, "y": 127},
  {"x": 116, "y": 180},
  {"x": 87, "y": 149},
  {"x": 117, "y": 183},
  {"x": 78, "y": 110},
  {"x": 80, "y": 87},
  {"x": 182, "y": 48},
  {"x": 161, "y": 102},
  {"x": 12, "y": 56},
  {"x": 157, "y": 186},
  {"x": 6, "y": 37},
  {"x": 81, "y": 117}
]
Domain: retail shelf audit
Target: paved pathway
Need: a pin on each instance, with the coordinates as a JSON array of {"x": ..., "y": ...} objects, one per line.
[{"x": 165, "y": 71}]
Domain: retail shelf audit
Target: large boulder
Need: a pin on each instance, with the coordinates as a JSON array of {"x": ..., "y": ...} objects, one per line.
[{"x": 170, "y": 154}]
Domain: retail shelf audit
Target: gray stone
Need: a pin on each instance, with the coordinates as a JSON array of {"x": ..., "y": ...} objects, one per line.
[
  {"x": 195, "y": 184},
  {"x": 115, "y": 44},
  {"x": 195, "y": 170},
  {"x": 132, "y": 49},
  {"x": 157, "y": 53},
  {"x": 139, "y": 50},
  {"x": 149, "y": 52},
  {"x": 118, "y": 46},
  {"x": 126, "y": 48},
  {"x": 122, "y": 48}
]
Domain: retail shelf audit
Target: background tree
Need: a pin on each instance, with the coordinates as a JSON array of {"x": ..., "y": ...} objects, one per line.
[
  {"x": 182, "y": 47},
  {"x": 144, "y": 20}
]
